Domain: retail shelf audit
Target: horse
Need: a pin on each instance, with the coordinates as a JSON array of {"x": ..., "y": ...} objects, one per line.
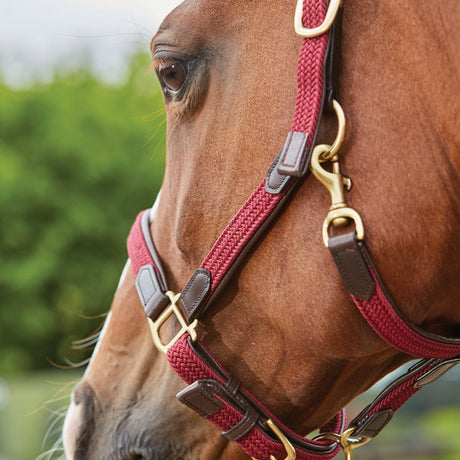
[{"x": 284, "y": 325}]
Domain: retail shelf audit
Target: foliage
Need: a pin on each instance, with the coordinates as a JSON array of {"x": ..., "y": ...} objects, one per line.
[{"x": 78, "y": 160}]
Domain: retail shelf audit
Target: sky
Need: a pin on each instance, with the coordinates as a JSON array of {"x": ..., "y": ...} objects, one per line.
[{"x": 38, "y": 36}]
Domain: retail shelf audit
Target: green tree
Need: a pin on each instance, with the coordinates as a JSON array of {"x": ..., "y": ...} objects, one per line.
[{"x": 78, "y": 160}]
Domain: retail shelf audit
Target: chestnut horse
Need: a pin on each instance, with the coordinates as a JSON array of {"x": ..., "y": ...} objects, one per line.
[{"x": 285, "y": 324}]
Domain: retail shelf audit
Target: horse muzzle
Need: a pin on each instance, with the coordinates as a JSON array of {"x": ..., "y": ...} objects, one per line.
[
  {"x": 95, "y": 430},
  {"x": 79, "y": 422}
]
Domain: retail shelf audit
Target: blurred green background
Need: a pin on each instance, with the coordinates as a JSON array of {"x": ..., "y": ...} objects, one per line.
[{"x": 78, "y": 159}]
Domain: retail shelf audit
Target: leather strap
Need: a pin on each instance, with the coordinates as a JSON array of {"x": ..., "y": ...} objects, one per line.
[
  {"x": 376, "y": 415},
  {"x": 241, "y": 416},
  {"x": 216, "y": 395},
  {"x": 361, "y": 278}
]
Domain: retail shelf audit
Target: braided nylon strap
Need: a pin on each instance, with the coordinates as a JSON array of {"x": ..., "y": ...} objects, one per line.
[
  {"x": 262, "y": 204},
  {"x": 138, "y": 251},
  {"x": 383, "y": 318},
  {"x": 190, "y": 368},
  {"x": 240, "y": 230},
  {"x": 396, "y": 398},
  {"x": 310, "y": 71}
]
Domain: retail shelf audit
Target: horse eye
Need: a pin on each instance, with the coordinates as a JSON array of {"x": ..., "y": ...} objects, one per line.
[{"x": 172, "y": 74}]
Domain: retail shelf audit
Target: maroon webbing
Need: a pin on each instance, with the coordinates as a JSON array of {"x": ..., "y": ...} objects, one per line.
[
  {"x": 383, "y": 318},
  {"x": 239, "y": 232},
  {"x": 396, "y": 398},
  {"x": 261, "y": 204},
  {"x": 310, "y": 71},
  {"x": 190, "y": 368},
  {"x": 138, "y": 251}
]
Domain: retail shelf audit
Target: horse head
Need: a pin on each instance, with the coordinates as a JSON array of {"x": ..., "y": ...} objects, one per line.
[{"x": 284, "y": 324}]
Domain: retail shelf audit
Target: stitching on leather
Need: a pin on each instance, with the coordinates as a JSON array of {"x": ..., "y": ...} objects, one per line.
[
  {"x": 199, "y": 298},
  {"x": 203, "y": 290},
  {"x": 286, "y": 151},
  {"x": 209, "y": 396},
  {"x": 299, "y": 150},
  {"x": 277, "y": 184},
  {"x": 221, "y": 393}
]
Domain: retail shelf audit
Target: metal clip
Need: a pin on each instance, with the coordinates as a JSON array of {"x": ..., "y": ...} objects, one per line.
[
  {"x": 305, "y": 32},
  {"x": 333, "y": 181},
  {"x": 346, "y": 440},
  {"x": 172, "y": 309},
  {"x": 339, "y": 213}
]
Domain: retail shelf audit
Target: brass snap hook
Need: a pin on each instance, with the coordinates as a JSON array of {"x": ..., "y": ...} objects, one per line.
[{"x": 339, "y": 213}]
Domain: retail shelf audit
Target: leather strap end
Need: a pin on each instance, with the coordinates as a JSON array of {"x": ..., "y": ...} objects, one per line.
[
  {"x": 373, "y": 425},
  {"x": 194, "y": 294},
  {"x": 199, "y": 397},
  {"x": 150, "y": 293},
  {"x": 436, "y": 372},
  {"x": 352, "y": 265},
  {"x": 293, "y": 157}
]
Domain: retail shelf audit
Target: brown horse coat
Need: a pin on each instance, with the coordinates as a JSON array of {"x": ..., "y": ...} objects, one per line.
[{"x": 285, "y": 325}]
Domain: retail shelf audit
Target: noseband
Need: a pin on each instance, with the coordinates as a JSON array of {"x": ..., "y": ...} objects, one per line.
[{"x": 214, "y": 393}]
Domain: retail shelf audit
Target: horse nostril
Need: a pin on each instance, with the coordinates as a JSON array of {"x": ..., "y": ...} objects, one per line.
[{"x": 79, "y": 422}]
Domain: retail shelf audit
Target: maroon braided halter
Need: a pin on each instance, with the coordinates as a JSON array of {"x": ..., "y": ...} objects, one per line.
[{"x": 213, "y": 392}]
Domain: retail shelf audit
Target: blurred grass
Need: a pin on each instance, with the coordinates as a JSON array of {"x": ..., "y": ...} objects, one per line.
[
  {"x": 31, "y": 403},
  {"x": 32, "y": 407}
]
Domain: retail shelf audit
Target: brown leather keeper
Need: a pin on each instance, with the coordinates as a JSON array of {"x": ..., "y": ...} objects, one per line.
[
  {"x": 241, "y": 429},
  {"x": 436, "y": 372},
  {"x": 194, "y": 294},
  {"x": 152, "y": 297},
  {"x": 352, "y": 265},
  {"x": 372, "y": 426},
  {"x": 294, "y": 156},
  {"x": 276, "y": 183},
  {"x": 199, "y": 397}
]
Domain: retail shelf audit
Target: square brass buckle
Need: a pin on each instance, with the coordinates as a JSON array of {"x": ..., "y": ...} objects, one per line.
[{"x": 172, "y": 309}]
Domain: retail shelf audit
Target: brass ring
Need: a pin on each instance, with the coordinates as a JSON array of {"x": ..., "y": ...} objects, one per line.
[{"x": 335, "y": 147}]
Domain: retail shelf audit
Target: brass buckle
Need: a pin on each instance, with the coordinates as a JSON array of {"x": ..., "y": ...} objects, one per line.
[
  {"x": 305, "y": 32},
  {"x": 291, "y": 453},
  {"x": 172, "y": 309},
  {"x": 346, "y": 441}
]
